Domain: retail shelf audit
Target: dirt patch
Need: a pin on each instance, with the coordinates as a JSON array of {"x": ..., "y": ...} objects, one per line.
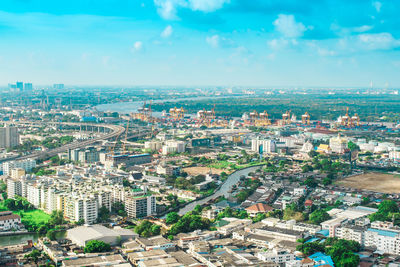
[
  {"x": 377, "y": 182},
  {"x": 201, "y": 170}
]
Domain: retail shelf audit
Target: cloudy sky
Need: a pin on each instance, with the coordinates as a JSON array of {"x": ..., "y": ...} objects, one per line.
[{"x": 201, "y": 42}]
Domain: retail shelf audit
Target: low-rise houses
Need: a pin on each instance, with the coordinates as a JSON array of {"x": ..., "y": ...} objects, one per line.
[{"x": 9, "y": 221}]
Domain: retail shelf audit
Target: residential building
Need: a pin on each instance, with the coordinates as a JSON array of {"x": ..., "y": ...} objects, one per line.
[
  {"x": 9, "y": 221},
  {"x": 9, "y": 137},
  {"x": 263, "y": 146},
  {"x": 140, "y": 206}
]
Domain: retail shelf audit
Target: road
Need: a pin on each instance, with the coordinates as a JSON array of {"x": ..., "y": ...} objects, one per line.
[{"x": 115, "y": 131}]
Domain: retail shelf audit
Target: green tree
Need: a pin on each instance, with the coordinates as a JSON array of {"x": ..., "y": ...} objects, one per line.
[
  {"x": 51, "y": 234},
  {"x": 172, "y": 218},
  {"x": 104, "y": 214},
  {"x": 96, "y": 246},
  {"x": 319, "y": 216},
  {"x": 34, "y": 256}
]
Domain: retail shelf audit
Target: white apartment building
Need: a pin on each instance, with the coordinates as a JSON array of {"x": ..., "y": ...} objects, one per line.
[
  {"x": 26, "y": 165},
  {"x": 172, "y": 146},
  {"x": 140, "y": 206},
  {"x": 263, "y": 146},
  {"x": 394, "y": 155},
  {"x": 14, "y": 188},
  {"x": 153, "y": 145},
  {"x": 338, "y": 144},
  {"x": 9, "y": 221},
  {"x": 77, "y": 208},
  {"x": 276, "y": 256}
]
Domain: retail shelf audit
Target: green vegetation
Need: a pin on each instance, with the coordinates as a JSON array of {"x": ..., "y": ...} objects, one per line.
[
  {"x": 189, "y": 222},
  {"x": 387, "y": 210},
  {"x": 229, "y": 213},
  {"x": 147, "y": 229},
  {"x": 35, "y": 256},
  {"x": 329, "y": 107},
  {"x": 104, "y": 215},
  {"x": 342, "y": 251},
  {"x": 172, "y": 218},
  {"x": 96, "y": 246},
  {"x": 251, "y": 185},
  {"x": 319, "y": 216}
]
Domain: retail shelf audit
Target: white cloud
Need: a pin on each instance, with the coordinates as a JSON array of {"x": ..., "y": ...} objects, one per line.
[
  {"x": 207, "y": 5},
  {"x": 277, "y": 44},
  {"x": 213, "y": 41},
  {"x": 377, "y": 5},
  {"x": 288, "y": 27},
  {"x": 216, "y": 41},
  {"x": 137, "y": 46},
  {"x": 378, "y": 41},
  {"x": 167, "y": 32},
  {"x": 363, "y": 28},
  {"x": 167, "y": 9}
]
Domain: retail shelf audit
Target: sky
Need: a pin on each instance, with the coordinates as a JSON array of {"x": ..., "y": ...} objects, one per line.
[{"x": 269, "y": 43}]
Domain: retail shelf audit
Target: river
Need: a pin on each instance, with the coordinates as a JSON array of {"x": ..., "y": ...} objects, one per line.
[
  {"x": 11, "y": 240},
  {"x": 223, "y": 191},
  {"x": 128, "y": 107}
]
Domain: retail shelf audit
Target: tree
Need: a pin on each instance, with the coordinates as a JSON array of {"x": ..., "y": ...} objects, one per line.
[
  {"x": 104, "y": 214},
  {"x": 34, "y": 256},
  {"x": 96, "y": 246},
  {"x": 172, "y": 218},
  {"x": 57, "y": 218},
  {"x": 319, "y": 216},
  {"x": 51, "y": 234}
]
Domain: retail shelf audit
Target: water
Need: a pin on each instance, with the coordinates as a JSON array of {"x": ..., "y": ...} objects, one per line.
[
  {"x": 11, "y": 240},
  {"x": 223, "y": 191},
  {"x": 128, "y": 107}
]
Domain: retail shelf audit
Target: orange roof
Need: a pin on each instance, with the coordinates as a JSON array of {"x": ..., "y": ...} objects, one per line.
[
  {"x": 260, "y": 207},
  {"x": 307, "y": 260}
]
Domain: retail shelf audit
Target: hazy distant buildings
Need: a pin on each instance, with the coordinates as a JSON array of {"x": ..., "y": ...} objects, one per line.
[
  {"x": 20, "y": 86},
  {"x": 58, "y": 86},
  {"x": 28, "y": 86},
  {"x": 9, "y": 137}
]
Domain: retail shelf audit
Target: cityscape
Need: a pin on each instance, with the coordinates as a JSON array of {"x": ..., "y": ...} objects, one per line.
[{"x": 200, "y": 133}]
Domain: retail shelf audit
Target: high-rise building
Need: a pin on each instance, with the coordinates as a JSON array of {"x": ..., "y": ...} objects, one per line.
[
  {"x": 28, "y": 86},
  {"x": 140, "y": 206},
  {"x": 20, "y": 86},
  {"x": 9, "y": 137},
  {"x": 14, "y": 188},
  {"x": 263, "y": 146}
]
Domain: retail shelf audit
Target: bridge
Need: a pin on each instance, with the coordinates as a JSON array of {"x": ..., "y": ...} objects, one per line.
[{"x": 110, "y": 131}]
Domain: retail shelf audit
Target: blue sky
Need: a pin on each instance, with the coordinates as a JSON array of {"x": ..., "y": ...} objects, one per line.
[{"x": 201, "y": 42}]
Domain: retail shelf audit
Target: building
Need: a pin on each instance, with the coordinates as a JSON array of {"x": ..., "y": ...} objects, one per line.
[
  {"x": 169, "y": 170},
  {"x": 81, "y": 208},
  {"x": 82, "y": 234},
  {"x": 20, "y": 86},
  {"x": 26, "y": 165},
  {"x": 258, "y": 208},
  {"x": 17, "y": 173},
  {"x": 153, "y": 145},
  {"x": 263, "y": 146},
  {"x": 394, "y": 155},
  {"x": 85, "y": 155},
  {"x": 140, "y": 206},
  {"x": 58, "y": 86},
  {"x": 338, "y": 144},
  {"x": 9, "y": 221},
  {"x": 14, "y": 188},
  {"x": 172, "y": 146},
  {"x": 127, "y": 160},
  {"x": 276, "y": 256},
  {"x": 9, "y": 137},
  {"x": 28, "y": 87}
]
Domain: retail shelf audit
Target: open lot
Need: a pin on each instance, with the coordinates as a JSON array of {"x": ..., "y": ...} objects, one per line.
[
  {"x": 201, "y": 170},
  {"x": 377, "y": 182}
]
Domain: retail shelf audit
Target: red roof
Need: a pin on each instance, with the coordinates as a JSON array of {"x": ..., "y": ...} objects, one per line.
[
  {"x": 260, "y": 207},
  {"x": 308, "y": 202}
]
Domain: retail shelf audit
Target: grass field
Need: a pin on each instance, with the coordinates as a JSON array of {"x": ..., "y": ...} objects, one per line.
[
  {"x": 377, "y": 182},
  {"x": 32, "y": 216}
]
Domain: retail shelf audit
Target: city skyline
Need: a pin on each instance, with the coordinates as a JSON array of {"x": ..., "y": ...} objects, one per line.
[{"x": 192, "y": 42}]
